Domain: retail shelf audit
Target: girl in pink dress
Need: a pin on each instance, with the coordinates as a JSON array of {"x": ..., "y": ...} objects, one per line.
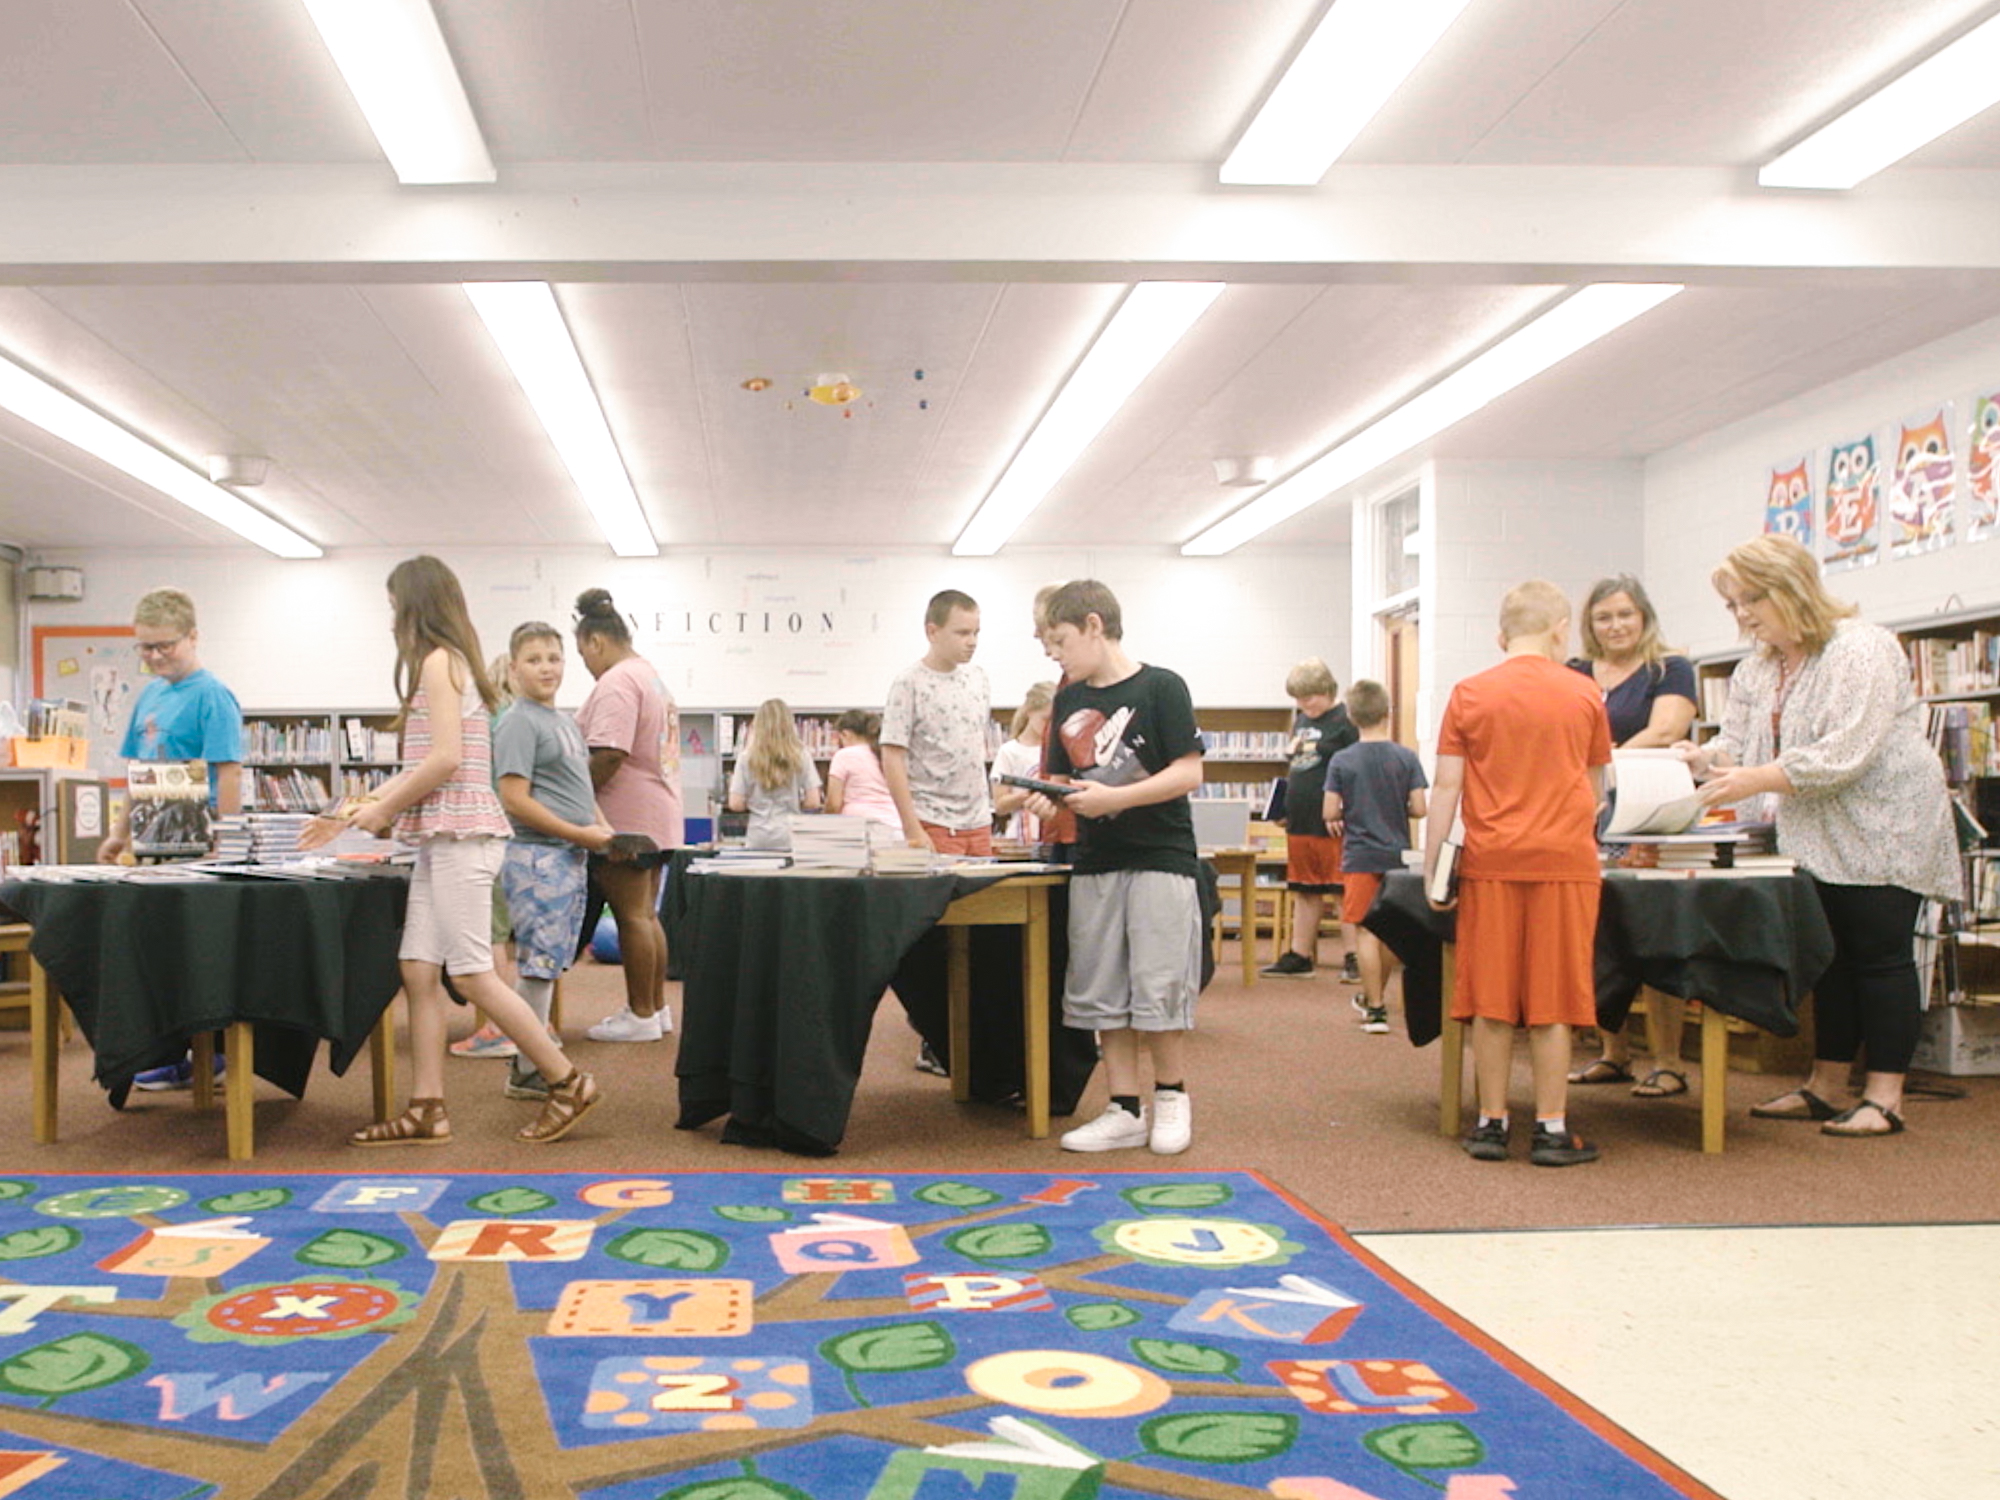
[{"x": 443, "y": 802}]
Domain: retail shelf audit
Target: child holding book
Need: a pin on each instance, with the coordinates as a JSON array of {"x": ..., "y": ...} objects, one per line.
[
  {"x": 443, "y": 803},
  {"x": 1373, "y": 788},
  {"x": 1521, "y": 757},
  {"x": 1022, "y": 756},
  {"x": 774, "y": 778}
]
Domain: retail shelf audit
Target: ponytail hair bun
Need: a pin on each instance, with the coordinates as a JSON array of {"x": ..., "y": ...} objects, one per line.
[{"x": 597, "y": 615}]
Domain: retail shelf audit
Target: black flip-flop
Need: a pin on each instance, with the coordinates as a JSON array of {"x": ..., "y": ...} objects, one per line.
[
  {"x": 1650, "y": 1087},
  {"x": 1815, "y": 1108},
  {"x": 1589, "y": 1074},
  {"x": 1847, "y": 1117}
]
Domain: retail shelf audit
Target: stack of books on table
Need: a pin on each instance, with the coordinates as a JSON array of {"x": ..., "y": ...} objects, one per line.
[
  {"x": 828, "y": 841},
  {"x": 731, "y": 861},
  {"x": 1721, "y": 849},
  {"x": 901, "y": 859}
]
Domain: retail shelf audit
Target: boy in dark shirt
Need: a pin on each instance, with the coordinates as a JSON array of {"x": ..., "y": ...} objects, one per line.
[
  {"x": 1124, "y": 735},
  {"x": 1312, "y": 850},
  {"x": 1373, "y": 789}
]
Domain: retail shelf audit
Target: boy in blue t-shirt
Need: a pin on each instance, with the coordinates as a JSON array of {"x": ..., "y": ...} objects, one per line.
[
  {"x": 184, "y": 713},
  {"x": 1373, "y": 789}
]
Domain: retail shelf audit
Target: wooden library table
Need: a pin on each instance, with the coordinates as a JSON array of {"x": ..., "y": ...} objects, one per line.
[
  {"x": 1748, "y": 948},
  {"x": 1241, "y": 866},
  {"x": 153, "y": 970},
  {"x": 782, "y": 973}
]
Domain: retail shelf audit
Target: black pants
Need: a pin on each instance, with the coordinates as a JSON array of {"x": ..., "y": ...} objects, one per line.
[{"x": 1869, "y": 996}]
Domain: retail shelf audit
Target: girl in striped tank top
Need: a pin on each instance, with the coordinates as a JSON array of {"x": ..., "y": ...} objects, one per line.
[{"x": 443, "y": 802}]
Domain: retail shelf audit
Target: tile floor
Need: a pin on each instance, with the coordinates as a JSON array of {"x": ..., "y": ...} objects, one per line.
[{"x": 1772, "y": 1364}]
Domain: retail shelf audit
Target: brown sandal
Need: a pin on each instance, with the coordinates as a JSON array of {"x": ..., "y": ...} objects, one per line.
[
  {"x": 422, "y": 1124},
  {"x": 568, "y": 1102}
]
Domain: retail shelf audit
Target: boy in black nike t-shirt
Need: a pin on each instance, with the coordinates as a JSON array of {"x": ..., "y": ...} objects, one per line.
[{"x": 1124, "y": 734}]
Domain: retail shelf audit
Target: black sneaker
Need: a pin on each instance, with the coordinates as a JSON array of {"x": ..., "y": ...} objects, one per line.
[
  {"x": 1487, "y": 1142},
  {"x": 1291, "y": 966},
  {"x": 1350, "y": 970},
  {"x": 1565, "y": 1150},
  {"x": 1375, "y": 1020}
]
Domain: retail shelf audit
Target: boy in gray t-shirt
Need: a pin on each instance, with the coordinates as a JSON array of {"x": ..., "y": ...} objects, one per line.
[{"x": 541, "y": 767}]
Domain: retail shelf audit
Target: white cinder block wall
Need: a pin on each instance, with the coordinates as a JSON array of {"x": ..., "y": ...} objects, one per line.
[
  {"x": 729, "y": 629},
  {"x": 1707, "y": 495},
  {"x": 1497, "y": 524}
]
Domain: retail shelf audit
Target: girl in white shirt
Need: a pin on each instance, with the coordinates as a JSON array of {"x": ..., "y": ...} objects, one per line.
[{"x": 1022, "y": 756}]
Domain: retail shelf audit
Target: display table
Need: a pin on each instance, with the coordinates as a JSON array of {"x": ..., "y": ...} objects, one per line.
[
  {"x": 154, "y": 970},
  {"x": 1241, "y": 865},
  {"x": 782, "y": 973},
  {"x": 1749, "y": 948}
]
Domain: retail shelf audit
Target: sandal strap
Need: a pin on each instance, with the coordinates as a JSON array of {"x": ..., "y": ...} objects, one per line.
[
  {"x": 424, "y": 1120},
  {"x": 566, "y": 1104}
]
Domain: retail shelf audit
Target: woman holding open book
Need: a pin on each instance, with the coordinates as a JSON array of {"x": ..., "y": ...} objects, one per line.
[
  {"x": 1822, "y": 714},
  {"x": 1649, "y": 698}
]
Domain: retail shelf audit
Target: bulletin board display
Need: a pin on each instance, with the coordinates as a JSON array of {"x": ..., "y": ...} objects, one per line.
[{"x": 95, "y": 665}]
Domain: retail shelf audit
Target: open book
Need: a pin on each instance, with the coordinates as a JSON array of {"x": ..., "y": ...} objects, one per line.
[{"x": 1652, "y": 792}]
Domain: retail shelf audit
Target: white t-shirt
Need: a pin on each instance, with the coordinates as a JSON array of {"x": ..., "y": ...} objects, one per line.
[
  {"x": 1017, "y": 759},
  {"x": 940, "y": 719}
]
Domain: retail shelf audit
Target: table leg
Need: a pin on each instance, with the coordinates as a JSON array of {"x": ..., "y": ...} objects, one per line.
[
  {"x": 1451, "y": 1091},
  {"x": 1035, "y": 1009},
  {"x": 382, "y": 1063},
  {"x": 1246, "y": 920},
  {"x": 44, "y": 1006},
  {"x": 958, "y": 1009},
  {"x": 201, "y": 1057},
  {"x": 1714, "y": 1076},
  {"x": 238, "y": 1087}
]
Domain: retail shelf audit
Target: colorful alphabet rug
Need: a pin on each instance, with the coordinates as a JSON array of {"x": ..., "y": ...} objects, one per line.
[{"x": 747, "y": 1336}]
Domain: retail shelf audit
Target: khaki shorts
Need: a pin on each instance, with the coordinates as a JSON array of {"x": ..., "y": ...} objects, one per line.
[{"x": 449, "y": 919}]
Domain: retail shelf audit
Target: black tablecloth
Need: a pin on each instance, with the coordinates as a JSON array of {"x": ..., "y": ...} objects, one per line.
[
  {"x": 145, "y": 967},
  {"x": 1748, "y": 947},
  {"x": 782, "y": 975}
]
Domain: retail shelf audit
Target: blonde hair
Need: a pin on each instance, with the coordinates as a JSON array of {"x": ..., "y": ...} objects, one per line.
[
  {"x": 1367, "y": 704},
  {"x": 1651, "y": 648},
  {"x": 500, "y": 671},
  {"x": 1532, "y": 608},
  {"x": 1788, "y": 575},
  {"x": 1037, "y": 698},
  {"x": 1042, "y": 597},
  {"x": 776, "y": 754},
  {"x": 1310, "y": 678},
  {"x": 164, "y": 609}
]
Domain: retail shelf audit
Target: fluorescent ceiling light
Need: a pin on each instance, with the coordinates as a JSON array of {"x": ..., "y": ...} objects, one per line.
[
  {"x": 33, "y": 399},
  {"x": 1943, "y": 91},
  {"x": 1148, "y": 323},
  {"x": 525, "y": 322},
  {"x": 1568, "y": 326},
  {"x": 1357, "y": 56},
  {"x": 396, "y": 63}
]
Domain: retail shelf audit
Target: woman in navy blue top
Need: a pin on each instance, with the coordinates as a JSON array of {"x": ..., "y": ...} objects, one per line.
[{"x": 1649, "y": 696}]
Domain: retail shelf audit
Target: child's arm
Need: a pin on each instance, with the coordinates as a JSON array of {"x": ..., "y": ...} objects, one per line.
[
  {"x": 1330, "y": 811},
  {"x": 409, "y": 786},
  {"x": 1093, "y": 799},
  {"x": 1443, "y": 812},
  {"x": 1418, "y": 802},
  {"x": 896, "y": 771},
  {"x": 836, "y": 792},
  {"x": 517, "y": 796},
  {"x": 810, "y": 799}
]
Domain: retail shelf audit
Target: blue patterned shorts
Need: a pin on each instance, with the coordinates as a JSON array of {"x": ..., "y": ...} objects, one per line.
[{"x": 544, "y": 885}]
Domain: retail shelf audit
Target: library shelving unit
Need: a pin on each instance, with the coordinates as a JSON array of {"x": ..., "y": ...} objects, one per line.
[
  {"x": 298, "y": 760},
  {"x": 33, "y": 807},
  {"x": 1245, "y": 751}
]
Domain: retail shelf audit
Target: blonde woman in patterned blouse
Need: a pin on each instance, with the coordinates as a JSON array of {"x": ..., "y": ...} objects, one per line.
[{"x": 1822, "y": 715}]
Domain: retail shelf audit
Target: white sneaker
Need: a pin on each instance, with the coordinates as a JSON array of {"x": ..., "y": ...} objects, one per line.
[
  {"x": 625, "y": 1026},
  {"x": 1173, "y": 1122},
  {"x": 1114, "y": 1130}
]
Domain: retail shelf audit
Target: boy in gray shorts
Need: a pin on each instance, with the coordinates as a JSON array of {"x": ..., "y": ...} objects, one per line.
[{"x": 1124, "y": 735}]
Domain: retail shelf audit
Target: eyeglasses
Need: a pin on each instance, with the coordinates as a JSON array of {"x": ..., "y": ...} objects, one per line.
[
  {"x": 157, "y": 648},
  {"x": 1738, "y": 606}
]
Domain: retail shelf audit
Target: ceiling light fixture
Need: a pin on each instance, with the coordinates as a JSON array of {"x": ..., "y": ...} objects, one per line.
[
  {"x": 33, "y": 399},
  {"x": 1149, "y": 322},
  {"x": 394, "y": 59},
  {"x": 1357, "y": 56},
  {"x": 1571, "y": 324},
  {"x": 528, "y": 326},
  {"x": 1944, "y": 90}
]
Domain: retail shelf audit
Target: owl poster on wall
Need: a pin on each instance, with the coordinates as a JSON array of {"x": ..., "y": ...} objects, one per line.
[
  {"x": 1982, "y": 489},
  {"x": 1788, "y": 504},
  {"x": 1853, "y": 508},
  {"x": 1922, "y": 486}
]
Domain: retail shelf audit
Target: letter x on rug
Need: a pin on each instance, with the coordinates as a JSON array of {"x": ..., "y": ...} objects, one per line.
[{"x": 749, "y": 1336}]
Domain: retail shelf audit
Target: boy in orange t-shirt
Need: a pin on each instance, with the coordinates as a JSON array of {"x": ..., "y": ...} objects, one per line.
[{"x": 1521, "y": 758}]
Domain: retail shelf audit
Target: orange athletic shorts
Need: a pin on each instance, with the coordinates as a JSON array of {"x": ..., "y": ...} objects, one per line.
[
  {"x": 1312, "y": 862},
  {"x": 1357, "y": 894},
  {"x": 1525, "y": 952}
]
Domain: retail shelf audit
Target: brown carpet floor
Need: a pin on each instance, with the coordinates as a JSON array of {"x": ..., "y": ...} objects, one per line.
[{"x": 1283, "y": 1082}]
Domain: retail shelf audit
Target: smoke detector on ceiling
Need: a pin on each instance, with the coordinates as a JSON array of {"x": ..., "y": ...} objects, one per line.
[
  {"x": 242, "y": 470},
  {"x": 1245, "y": 473}
]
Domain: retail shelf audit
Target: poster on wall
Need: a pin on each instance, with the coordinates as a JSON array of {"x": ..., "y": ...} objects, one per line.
[
  {"x": 1788, "y": 503},
  {"x": 1853, "y": 508},
  {"x": 1922, "y": 486},
  {"x": 95, "y": 665},
  {"x": 1982, "y": 489}
]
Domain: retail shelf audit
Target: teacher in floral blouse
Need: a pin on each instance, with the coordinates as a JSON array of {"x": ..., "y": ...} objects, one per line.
[{"x": 1822, "y": 714}]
